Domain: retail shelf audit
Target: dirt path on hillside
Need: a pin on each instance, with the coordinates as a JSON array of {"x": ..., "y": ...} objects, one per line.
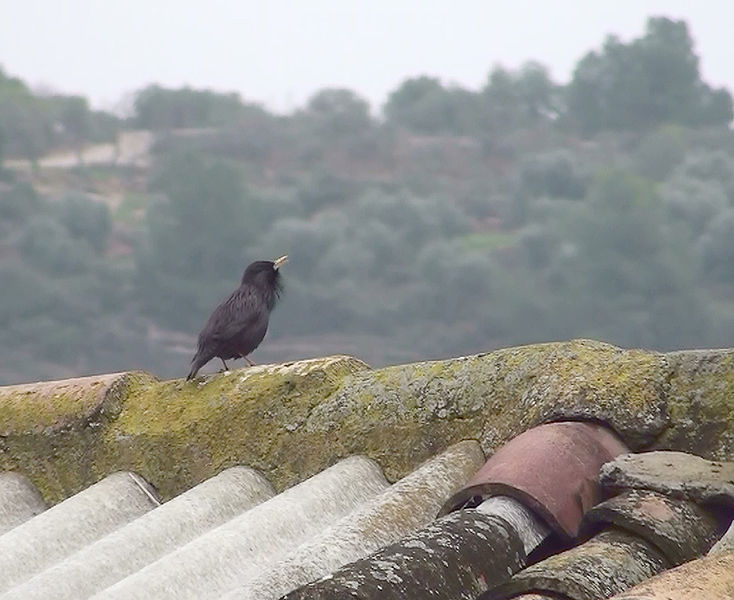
[{"x": 133, "y": 149}]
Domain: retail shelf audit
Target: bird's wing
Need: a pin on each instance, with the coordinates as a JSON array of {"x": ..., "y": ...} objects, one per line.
[{"x": 240, "y": 311}]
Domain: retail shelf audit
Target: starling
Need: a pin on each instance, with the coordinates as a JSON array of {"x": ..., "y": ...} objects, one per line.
[{"x": 238, "y": 324}]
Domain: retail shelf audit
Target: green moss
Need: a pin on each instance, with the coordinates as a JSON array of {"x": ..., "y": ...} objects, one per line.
[
  {"x": 701, "y": 404},
  {"x": 240, "y": 417},
  {"x": 36, "y": 407},
  {"x": 56, "y": 405},
  {"x": 51, "y": 431},
  {"x": 293, "y": 420}
]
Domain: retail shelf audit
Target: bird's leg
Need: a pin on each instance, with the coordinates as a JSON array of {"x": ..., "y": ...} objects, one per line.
[
  {"x": 226, "y": 368},
  {"x": 247, "y": 358}
]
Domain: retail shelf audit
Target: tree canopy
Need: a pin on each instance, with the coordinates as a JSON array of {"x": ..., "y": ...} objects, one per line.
[
  {"x": 649, "y": 81},
  {"x": 452, "y": 221}
]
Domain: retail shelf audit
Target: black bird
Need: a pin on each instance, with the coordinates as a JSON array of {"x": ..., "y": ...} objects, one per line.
[{"x": 238, "y": 325}]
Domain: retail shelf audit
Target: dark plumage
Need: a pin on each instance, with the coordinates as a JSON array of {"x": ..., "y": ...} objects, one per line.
[{"x": 238, "y": 325}]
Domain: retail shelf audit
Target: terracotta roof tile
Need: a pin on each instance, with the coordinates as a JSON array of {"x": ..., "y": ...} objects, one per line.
[
  {"x": 610, "y": 562},
  {"x": 708, "y": 578},
  {"x": 460, "y": 555},
  {"x": 681, "y": 529},
  {"x": 676, "y": 474},
  {"x": 552, "y": 469}
]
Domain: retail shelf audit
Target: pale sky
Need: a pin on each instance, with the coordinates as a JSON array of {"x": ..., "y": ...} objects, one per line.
[{"x": 279, "y": 52}]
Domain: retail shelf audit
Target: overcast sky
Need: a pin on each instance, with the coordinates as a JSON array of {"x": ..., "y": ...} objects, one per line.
[{"x": 279, "y": 52}]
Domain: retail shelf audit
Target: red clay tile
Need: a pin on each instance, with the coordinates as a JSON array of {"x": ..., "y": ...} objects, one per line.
[
  {"x": 708, "y": 578},
  {"x": 551, "y": 468}
]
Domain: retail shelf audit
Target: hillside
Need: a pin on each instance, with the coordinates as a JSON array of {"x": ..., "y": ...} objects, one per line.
[{"x": 455, "y": 221}]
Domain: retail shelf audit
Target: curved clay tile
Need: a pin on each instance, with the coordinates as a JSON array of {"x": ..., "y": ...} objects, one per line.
[
  {"x": 683, "y": 530},
  {"x": 676, "y": 474},
  {"x": 708, "y": 578},
  {"x": 608, "y": 563},
  {"x": 458, "y": 556},
  {"x": 551, "y": 468}
]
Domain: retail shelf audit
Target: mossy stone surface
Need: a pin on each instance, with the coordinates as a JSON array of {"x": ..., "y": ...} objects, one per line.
[
  {"x": 52, "y": 406},
  {"x": 51, "y": 431},
  {"x": 421, "y": 408},
  {"x": 700, "y": 402},
  {"x": 177, "y": 433},
  {"x": 292, "y": 420}
]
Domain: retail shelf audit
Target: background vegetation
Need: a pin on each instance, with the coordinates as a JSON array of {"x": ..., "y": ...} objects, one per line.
[{"x": 454, "y": 221}]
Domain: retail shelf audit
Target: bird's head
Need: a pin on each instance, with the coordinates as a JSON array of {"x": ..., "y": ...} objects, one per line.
[{"x": 265, "y": 274}]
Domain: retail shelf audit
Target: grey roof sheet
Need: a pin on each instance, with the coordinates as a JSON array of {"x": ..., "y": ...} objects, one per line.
[
  {"x": 222, "y": 558},
  {"x": 402, "y": 508},
  {"x": 346, "y": 529},
  {"x": 149, "y": 537},
  {"x": 65, "y": 528},
  {"x": 19, "y": 500}
]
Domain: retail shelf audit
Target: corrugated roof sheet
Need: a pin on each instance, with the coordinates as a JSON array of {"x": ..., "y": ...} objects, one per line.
[
  {"x": 63, "y": 529},
  {"x": 19, "y": 501},
  {"x": 149, "y": 537},
  {"x": 225, "y": 557},
  {"x": 180, "y": 549},
  {"x": 405, "y": 506}
]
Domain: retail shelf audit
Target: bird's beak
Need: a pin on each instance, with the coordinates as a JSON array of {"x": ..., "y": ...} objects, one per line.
[{"x": 279, "y": 262}]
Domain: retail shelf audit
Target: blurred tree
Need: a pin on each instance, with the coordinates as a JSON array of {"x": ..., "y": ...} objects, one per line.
[
  {"x": 519, "y": 100},
  {"x": 33, "y": 124},
  {"x": 323, "y": 189},
  {"x": 48, "y": 246},
  {"x": 86, "y": 220},
  {"x": 659, "y": 152},
  {"x": 423, "y": 105},
  {"x": 159, "y": 108},
  {"x": 105, "y": 127},
  {"x": 652, "y": 80},
  {"x": 717, "y": 250},
  {"x": 692, "y": 202},
  {"x": 711, "y": 166},
  {"x": 26, "y": 295},
  {"x": 196, "y": 235},
  {"x": 75, "y": 121},
  {"x": 25, "y": 127},
  {"x": 554, "y": 174},
  {"x": 624, "y": 275},
  {"x": 17, "y": 204},
  {"x": 338, "y": 112}
]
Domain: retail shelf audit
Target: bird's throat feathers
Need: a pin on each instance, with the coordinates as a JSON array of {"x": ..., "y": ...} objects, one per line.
[{"x": 277, "y": 289}]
